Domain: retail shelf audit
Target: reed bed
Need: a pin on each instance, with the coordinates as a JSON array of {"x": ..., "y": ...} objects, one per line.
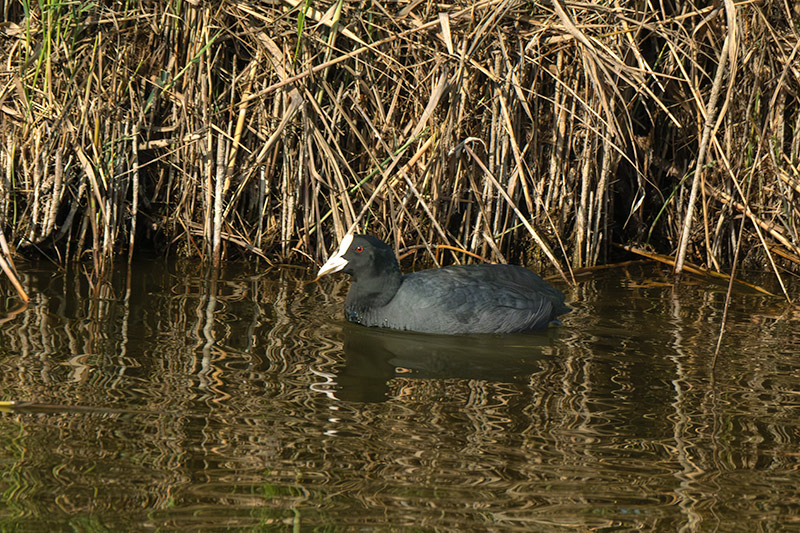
[{"x": 541, "y": 133}]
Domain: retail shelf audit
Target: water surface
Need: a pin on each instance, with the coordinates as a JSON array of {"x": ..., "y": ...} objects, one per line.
[{"x": 168, "y": 400}]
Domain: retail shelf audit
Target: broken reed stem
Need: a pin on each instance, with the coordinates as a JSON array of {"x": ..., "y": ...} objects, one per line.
[
  {"x": 728, "y": 293},
  {"x": 7, "y": 265}
]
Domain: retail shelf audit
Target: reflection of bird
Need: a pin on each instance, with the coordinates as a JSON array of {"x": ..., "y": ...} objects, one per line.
[
  {"x": 451, "y": 300},
  {"x": 374, "y": 357}
]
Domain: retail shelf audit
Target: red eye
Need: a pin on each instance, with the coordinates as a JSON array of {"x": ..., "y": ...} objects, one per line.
[{"x": 359, "y": 249}]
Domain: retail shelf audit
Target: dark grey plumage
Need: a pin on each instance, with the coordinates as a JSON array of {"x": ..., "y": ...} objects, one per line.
[{"x": 451, "y": 300}]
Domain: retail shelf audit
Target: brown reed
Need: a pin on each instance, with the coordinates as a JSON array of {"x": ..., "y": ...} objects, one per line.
[{"x": 539, "y": 133}]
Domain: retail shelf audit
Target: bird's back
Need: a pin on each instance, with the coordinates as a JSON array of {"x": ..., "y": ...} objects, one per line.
[{"x": 471, "y": 299}]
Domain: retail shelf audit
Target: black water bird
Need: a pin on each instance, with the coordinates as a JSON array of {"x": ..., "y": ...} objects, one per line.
[{"x": 452, "y": 300}]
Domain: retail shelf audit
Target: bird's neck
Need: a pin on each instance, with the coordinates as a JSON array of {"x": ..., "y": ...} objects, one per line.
[{"x": 371, "y": 292}]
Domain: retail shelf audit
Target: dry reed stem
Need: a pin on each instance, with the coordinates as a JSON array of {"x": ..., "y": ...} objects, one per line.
[{"x": 711, "y": 124}]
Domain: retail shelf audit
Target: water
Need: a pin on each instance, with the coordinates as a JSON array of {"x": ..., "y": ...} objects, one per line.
[{"x": 165, "y": 400}]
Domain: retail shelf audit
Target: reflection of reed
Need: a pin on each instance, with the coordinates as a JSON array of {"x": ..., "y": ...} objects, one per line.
[{"x": 240, "y": 410}]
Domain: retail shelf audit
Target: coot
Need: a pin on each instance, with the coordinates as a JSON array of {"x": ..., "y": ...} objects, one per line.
[{"x": 451, "y": 300}]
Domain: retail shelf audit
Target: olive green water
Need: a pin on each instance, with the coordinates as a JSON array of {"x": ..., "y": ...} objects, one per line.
[{"x": 168, "y": 401}]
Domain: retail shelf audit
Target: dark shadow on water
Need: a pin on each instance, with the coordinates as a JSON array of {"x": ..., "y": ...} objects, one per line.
[{"x": 373, "y": 356}]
